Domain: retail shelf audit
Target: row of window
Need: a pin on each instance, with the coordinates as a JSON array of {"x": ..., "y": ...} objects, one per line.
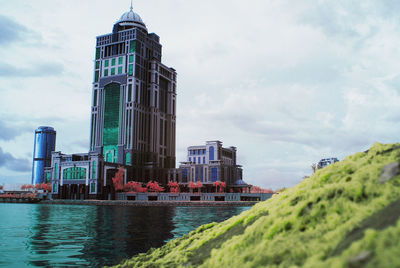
[
  {"x": 111, "y": 71},
  {"x": 112, "y": 67},
  {"x": 74, "y": 173},
  {"x": 113, "y": 61},
  {"x": 197, "y": 152},
  {"x": 198, "y": 160},
  {"x": 199, "y": 174},
  {"x": 115, "y": 49}
]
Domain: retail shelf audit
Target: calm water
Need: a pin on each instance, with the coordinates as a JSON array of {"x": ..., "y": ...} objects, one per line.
[{"x": 93, "y": 236}]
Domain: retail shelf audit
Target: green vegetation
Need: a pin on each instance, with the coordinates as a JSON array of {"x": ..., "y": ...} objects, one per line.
[{"x": 342, "y": 216}]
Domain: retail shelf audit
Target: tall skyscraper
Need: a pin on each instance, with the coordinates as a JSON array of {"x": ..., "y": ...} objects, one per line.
[
  {"x": 133, "y": 115},
  {"x": 45, "y": 144}
]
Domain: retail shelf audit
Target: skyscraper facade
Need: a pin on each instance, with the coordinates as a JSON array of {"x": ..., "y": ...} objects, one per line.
[
  {"x": 133, "y": 117},
  {"x": 133, "y": 113}
]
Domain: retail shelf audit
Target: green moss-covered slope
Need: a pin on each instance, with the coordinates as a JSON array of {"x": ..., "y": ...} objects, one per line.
[{"x": 343, "y": 216}]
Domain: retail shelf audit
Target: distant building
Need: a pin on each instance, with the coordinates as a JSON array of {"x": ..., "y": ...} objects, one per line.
[
  {"x": 326, "y": 162},
  {"x": 210, "y": 163},
  {"x": 44, "y": 145}
]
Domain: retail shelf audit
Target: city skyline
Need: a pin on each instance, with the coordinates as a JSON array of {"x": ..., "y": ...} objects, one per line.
[{"x": 286, "y": 83}]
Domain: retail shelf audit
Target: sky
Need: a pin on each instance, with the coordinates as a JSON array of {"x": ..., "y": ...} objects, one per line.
[{"x": 286, "y": 82}]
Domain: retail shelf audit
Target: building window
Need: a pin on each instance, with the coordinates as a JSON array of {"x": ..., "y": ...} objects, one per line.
[
  {"x": 56, "y": 171},
  {"x": 113, "y": 62},
  {"x": 214, "y": 174},
  {"x": 130, "y": 58},
  {"x": 120, "y": 60},
  {"x": 109, "y": 157},
  {"x": 197, "y": 177},
  {"x": 106, "y": 62},
  {"x": 211, "y": 153},
  {"x": 184, "y": 175},
  {"x": 132, "y": 46},
  {"x": 96, "y": 76},
  {"x": 128, "y": 159},
  {"x": 130, "y": 69},
  {"x": 112, "y": 71},
  {"x": 97, "y": 53},
  {"x": 129, "y": 93},
  {"x": 204, "y": 159},
  {"x": 95, "y": 98},
  {"x": 93, "y": 187},
  {"x": 55, "y": 190},
  {"x": 97, "y": 65},
  {"x": 94, "y": 170},
  {"x": 48, "y": 177},
  {"x": 120, "y": 70},
  {"x": 190, "y": 159},
  {"x": 198, "y": 160},
  {"x": 106, "y": 72},
  {"x": 194, "y": 160}
]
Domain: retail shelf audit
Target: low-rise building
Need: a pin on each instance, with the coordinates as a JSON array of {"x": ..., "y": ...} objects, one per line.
[
  {"x": 82, "y": 176},
  {"x": 326, "y": 162},
  {"x": 210, "y": 163}
]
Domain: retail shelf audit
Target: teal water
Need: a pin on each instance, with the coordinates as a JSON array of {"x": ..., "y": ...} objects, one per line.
[{"x": 35, "y": 235}]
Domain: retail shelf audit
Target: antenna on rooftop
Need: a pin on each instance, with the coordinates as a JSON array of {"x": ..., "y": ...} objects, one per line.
[{"x": 131, "y": 6}]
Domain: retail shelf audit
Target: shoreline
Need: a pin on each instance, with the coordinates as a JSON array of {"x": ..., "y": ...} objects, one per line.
[{"x": 150, "y": 203}]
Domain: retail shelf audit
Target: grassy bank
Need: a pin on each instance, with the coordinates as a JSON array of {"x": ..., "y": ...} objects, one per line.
[{"x": 346, "y": 215}]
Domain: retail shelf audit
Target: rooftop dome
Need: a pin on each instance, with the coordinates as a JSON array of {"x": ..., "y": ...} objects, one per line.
[{"x": 131, "y": 18}]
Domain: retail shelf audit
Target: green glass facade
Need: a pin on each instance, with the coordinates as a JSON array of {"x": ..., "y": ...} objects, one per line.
[
  {"x": 74, "y": 173},
  {"x": 94, "y": 170},
  {"x": 128, "y": 159},
  {"x": 111, "y": 121},
  {"x": 93, "y": 187},
  {"x": 131, "y": 69},
  {"x": 48, "y": 177},
  {"x": 56, "y": 171},
  {"x": 132, "y": 47}
]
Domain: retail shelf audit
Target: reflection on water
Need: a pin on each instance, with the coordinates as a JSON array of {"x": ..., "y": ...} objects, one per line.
[{"x": 93, "y": 236}]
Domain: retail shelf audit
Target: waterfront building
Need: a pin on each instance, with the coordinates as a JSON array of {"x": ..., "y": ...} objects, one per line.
[
  {"x": 133, "y": 116},
  {"x": 326, "y": 162},
  {"x": 44, "y": 144},
  {"x": 210, "y": 163}
]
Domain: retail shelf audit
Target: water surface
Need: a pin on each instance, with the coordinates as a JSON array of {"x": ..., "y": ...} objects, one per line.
[{"x": 93, "y": 236}]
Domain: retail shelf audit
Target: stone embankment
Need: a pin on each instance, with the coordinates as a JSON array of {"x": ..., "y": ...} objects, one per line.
[{"x": 150, "y": 203}]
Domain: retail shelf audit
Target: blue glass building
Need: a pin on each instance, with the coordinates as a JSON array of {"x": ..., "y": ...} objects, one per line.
[{"x": 45, "y": 143}]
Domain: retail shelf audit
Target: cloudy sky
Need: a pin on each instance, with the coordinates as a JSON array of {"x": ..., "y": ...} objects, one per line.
[{"x": 286, "y": 82}]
